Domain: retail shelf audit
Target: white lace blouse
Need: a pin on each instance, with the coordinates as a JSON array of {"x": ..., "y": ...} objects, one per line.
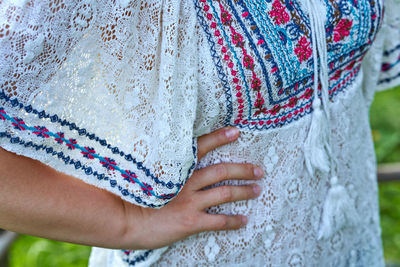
[{"x": 116, "y": 92}]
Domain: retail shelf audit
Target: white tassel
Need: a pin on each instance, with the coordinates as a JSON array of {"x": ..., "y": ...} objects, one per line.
[
  {"x": 339, "y": 211},
  {"x": 315, "y": 152}
]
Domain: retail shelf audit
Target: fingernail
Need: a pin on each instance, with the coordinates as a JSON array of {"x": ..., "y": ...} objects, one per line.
[
  {"x": 231, "y": 133},
  {"x": 244, "y": 220},
  {"x": 258, "y": 172},
  {"x": 257, "y": 189}
]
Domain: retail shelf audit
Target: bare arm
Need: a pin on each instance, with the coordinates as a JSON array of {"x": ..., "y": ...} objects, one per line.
[{"x": 37, "y": 200}]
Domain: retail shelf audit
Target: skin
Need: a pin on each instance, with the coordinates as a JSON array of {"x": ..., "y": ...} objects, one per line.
[{"x": 38, "y": 200}]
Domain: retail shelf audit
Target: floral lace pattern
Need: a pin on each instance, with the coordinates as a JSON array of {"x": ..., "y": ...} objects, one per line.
[
  {"x": 53, "y": 71},
  {"x": 284, "y": 220},
  {"x": 116, "y": 92},
  {"x": 91, "y": 154}
]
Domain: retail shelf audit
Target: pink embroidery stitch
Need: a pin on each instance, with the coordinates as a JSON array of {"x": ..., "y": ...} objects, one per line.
[
  {"x": 237, "y": 39},
  {"x": 303, "y": 49},
  {"x": 89, "y": 152},
  {"x": 59, "y": 138},
  {"x": 248, "y": 61},
  {"x": 129, "y": 176},
  {"x": 19, "y": 124},
  {"x": 342, "y": 29},
  {"x": 279, "y": 14},
  {"x": 41, "y": 131},
  {"x": 71, "y": 144}
]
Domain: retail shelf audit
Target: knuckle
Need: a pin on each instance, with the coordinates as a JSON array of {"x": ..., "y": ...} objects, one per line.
[
  {"x": 250, "y": 192},
  {"x": 237, "y": 223},
  {"x": 201, "y": 149},
  {"x": 188, "y": 204},
  {"x": 221, "y": 136},
  {"x": 221, "y": 171},
  {"x": 223, "y": 222},
  {"x": 250, "y": 169},
  {"x": 190, "y": 221},
  {"x": 226, "y": 194}
]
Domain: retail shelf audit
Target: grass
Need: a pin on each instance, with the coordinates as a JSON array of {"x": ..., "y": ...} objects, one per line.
[
  {"x": 385, "y": 123},
  {"x": 30, "y": 251},
  {"x": 390, "y": 220}
]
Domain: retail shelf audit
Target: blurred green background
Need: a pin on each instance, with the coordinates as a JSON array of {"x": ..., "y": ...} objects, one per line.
[
  {"x": 30, "y": 251},
  {"x": 385, "y": 123}
]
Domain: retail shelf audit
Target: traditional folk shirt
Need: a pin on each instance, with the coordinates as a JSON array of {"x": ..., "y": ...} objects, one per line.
[{"x": 115, "y": 93}]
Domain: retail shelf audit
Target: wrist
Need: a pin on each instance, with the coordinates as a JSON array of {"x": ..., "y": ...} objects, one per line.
[{"x": 130, "y": 227}]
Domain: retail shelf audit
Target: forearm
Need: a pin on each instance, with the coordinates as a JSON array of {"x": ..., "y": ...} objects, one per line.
[{"x": 37, "y": 200}]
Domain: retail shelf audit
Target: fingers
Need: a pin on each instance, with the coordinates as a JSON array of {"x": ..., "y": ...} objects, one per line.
[
  {"x": 213, "y": 222},
  {"x": 226, "y": 194},
  {"x": 220, "y": 137},
  {"x": 224, "y": 171}
]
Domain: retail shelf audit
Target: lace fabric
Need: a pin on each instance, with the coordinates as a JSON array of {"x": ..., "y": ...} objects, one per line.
[
  {"x": 89, "y": 94},
  {"x": 116, "y": 92}
]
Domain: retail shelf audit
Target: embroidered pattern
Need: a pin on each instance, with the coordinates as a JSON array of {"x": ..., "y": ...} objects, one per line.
[
  {"x": 87, "y": 152},
  {"x": 263, "y": 54},
  {"x": 136, "y": 258},
  {"x": 389, "y": 67}
]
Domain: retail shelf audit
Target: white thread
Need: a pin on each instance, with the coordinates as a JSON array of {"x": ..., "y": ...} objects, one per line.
[
  {"x": 317, "y": 142},
  {"x": 338, "y": 209}
]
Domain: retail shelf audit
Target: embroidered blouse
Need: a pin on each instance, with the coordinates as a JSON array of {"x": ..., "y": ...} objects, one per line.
[{"x": 115, "y": 93}]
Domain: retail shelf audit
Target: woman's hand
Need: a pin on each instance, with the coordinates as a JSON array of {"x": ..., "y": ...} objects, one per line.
[
  {"x": 185, "y": 215},
  {"x": 38, "y": 200}
]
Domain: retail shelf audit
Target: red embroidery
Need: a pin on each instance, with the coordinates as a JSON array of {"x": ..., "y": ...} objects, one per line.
[
  {"x": 88, "y": 153},
  {"x": 146, "y": 189},
  {"x": 71, "y": 144},
  {"x": 59, "y": 137},
  {"x": 303, "y": 49},
  {"x": 248, "y": 61},
  {"x": 129, "y": 176},
  {"x": 19, "y": 124},
  {"x": 1, "y": 114},
  {"x": 41, "y": 131},
  {"x": 237, "y": 39},
  {"x": 279, "y": 14},
  {"x": 109, "y": 164},
  {"x": 342, "y": 30}
]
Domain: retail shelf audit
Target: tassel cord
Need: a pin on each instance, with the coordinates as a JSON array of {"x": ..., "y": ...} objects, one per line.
[
  {"x": 317, "y": 144},
  {"x": 338, "y": 208}
]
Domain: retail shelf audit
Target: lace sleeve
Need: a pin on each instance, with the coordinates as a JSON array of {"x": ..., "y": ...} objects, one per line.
[
  {"x": 382, "y": 63},
  {"x": 105, "y": 91},
  {"x": 390, "y": 68}
]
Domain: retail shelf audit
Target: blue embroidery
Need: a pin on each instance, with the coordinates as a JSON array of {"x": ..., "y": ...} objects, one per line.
[
  {"x": 138, "y": 258},
  {"x": 235, "y": 56},
  {"x": 78, "y": 165},
  {"x": 388, "y": 66},
  {"x": 108, "y": 163},
  {"x": 217, "y": 62},
  {"x": 282, "y": 64},
  {"x": 388, "y": 52},
  {"x": 83, "y": 132},
  {"x": 388, "y": 80},
  {"x": 287, "y": 100}
]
